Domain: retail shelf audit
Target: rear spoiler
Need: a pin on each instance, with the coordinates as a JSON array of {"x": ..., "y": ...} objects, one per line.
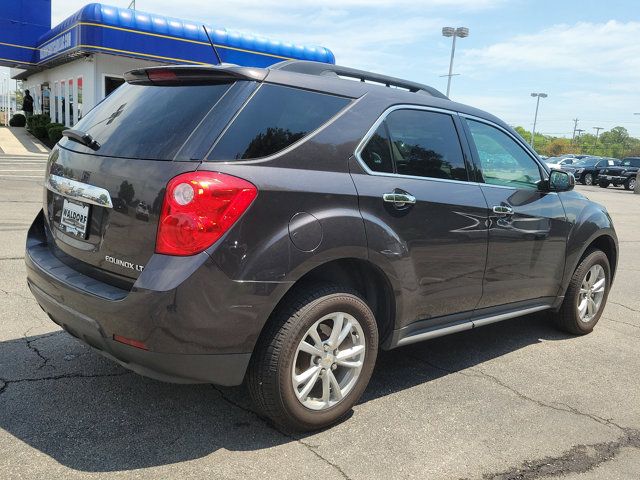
[{"x": 194, "y": 75}]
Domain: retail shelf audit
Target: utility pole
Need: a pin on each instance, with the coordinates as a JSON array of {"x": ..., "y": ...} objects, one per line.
[
  {"x": 597, "y": 129},
  {"x": 575, "y": 128}
]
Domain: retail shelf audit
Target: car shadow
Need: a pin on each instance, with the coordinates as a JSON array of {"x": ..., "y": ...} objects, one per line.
[{"x": 66, "y": 401}]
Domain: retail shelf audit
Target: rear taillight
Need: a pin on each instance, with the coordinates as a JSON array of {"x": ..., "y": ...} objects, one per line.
[{"x": 198, "y": 208}]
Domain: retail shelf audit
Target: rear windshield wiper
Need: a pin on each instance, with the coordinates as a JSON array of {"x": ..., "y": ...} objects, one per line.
[{"x": 81, "y": 137}]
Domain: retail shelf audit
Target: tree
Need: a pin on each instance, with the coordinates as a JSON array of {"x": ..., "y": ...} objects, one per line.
[{"x": 126, "y": 192}]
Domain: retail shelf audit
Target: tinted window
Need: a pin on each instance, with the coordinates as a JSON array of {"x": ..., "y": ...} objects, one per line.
[
  {"x": 631, "y": 162},
  {"x": 147, "y": 122},
  {"x": 503, "y": 161},
  {"x": 425, "y": 144},
  {"x": 275, "y": 118},
  {"x": 377, "y": 153}
]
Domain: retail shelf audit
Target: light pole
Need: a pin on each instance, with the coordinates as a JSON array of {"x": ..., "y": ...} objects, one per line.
[
  {"x": 535, "y": 118},
  {"x": 461, "y": 32}
]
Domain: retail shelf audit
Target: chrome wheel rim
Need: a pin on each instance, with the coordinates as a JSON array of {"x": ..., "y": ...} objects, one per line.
[
  {"x": 591, "y": 293},
  {"x": 588, "y": 179},
  {"x": 328, "y": 361},
  {"x": 632, "y": 184}
]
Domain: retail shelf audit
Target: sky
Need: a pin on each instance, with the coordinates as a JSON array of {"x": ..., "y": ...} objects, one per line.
[{"x": 584, "y": 54}]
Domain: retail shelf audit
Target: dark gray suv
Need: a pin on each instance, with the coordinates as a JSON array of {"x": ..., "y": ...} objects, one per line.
[{"x": 295, "y": 222}]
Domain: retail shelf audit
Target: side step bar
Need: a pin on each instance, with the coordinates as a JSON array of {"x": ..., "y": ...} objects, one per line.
[{"x": 400, "y": 339}]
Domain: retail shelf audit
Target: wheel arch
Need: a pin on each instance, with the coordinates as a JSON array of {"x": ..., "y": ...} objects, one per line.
[{"x": 357, "y": 274}]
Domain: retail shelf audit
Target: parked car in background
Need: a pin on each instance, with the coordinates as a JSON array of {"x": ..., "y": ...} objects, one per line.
[
  {"x": 558, "y": 162},
  {"x": 588, "y": 169},
  {"x": 624, "y": 173}
]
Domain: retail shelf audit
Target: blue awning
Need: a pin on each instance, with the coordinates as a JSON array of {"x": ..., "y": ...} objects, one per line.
[{"x": 125, "y": 32}]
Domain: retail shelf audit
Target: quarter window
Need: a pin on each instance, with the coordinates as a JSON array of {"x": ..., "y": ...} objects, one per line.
[
  {"x": 503, "y": 161},
  {"x": 275, "y": 118},
  {"x": 425, "y": 144}
]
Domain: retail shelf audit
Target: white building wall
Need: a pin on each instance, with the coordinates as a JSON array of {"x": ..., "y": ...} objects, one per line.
[{"x": 91, "y": 70}]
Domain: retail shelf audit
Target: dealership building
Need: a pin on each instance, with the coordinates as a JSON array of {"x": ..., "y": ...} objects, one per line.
[{"x": 72, "y": 66}]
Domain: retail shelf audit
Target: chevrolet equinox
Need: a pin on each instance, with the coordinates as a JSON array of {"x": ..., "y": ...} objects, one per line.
[{"x": 297, "y": 219}]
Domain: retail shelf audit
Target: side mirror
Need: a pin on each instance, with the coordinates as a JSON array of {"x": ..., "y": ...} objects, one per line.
[{"x": 560, "y": 181}]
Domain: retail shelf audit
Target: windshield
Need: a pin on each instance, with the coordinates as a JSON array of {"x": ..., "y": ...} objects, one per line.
[{"x": 147, "y": 122}]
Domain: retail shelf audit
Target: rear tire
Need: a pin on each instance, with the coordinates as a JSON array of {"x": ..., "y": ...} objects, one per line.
[
  {"x": 630, "y": 184},
  {"x": 298, "y": 345},
  {"x": 603, "y": 184},
  {"x": 586, "y": 296}
]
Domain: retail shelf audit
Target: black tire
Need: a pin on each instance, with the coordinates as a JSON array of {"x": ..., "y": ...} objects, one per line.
[
  {"x": 269, "y": 376},
  {"x": 603, "y": 184},
  {"x": 587, "y": 179},
  {"x": 567, "y": 318},
  {"x": 630, "y": 184}
]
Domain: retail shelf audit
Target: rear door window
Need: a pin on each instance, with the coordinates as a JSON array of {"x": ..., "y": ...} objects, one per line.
[
  {"x": 148, "y": 122},
  {"x": 275, "y": 118},
  {"x": 426, "y": 144},
  {"x": 377, "y": 154}
]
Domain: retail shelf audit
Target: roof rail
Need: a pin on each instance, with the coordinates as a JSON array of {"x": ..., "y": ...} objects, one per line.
[{"x": 323, "y": 69}]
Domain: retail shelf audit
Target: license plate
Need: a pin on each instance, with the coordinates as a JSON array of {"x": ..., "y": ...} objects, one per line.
[{"x": 74, "y": 218}]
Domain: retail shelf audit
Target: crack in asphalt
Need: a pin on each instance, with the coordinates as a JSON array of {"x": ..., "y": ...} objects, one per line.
[
  {"x": 36, "y": 350},
  {"x": 625, "y": 306},
  {"x": 285, "y": 434},
  {"x": 8, "y": 294},
  {"x": 11, "y": 258},
  {"x": 620, "y": 321},
  {"x": 579, "y": 459},
  {"x": 6, "y": 383},
  {"x": 478, "y": 373}
]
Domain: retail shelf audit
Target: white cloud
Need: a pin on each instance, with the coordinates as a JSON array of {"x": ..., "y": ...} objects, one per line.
[{"x": 603, "y": 49}]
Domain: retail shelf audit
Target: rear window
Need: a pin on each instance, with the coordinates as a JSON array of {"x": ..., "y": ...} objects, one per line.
[
  {"x": 147, "y": 122},
  {"x": 275, "y": 118}
]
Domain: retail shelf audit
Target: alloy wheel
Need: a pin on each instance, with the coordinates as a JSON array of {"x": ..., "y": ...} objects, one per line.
[
  {"x": 591, "y": 293},
  {"x": 328, "y": 361},
  {"x": 588, "y": 179}
]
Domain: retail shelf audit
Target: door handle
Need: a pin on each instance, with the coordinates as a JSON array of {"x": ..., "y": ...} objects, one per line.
[
  {"x": 399, "y": 199},
  {"x": 503, "y": 210}
]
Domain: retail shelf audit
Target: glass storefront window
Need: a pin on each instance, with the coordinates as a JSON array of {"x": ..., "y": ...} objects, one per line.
[
  {"x": 63, "y": 110},
  {"x": 79, "y": 101},
  {"x": 71, "y": 112}
]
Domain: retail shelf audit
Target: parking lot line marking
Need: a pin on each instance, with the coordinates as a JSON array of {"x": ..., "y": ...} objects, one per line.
[{"x": 21, "y": 170}]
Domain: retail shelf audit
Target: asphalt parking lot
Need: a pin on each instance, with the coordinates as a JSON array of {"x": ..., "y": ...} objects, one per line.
[{"x": 516, "y": 400}]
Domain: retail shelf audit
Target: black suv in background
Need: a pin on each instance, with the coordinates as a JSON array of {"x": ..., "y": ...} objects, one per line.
[
  {"x": 624, "y": 173},
  {"x": 588, "y": 169},
  {"x": 295, "y": 222}
]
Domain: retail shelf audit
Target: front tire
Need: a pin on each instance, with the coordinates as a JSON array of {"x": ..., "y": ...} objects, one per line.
[
  {"x": 586, "y": 296},
  {"x": 587, "y": 179},
  {"x": 315, "y": 359}
]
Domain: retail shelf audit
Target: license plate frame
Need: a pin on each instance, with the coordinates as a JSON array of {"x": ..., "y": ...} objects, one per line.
[{"x": 74, "y": 218}]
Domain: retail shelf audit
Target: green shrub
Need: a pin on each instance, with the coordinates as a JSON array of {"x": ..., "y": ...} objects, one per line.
[
  {"x": 55, "y": 133},
  {"x": 54, "y": 125},
  {"x": 40, "y": 131},
  {"x": 40, "y": 120},
  {"x": 18, "y": 120}
]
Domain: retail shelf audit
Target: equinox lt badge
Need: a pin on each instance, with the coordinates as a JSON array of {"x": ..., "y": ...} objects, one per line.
[{"x": 123, "y": 263}]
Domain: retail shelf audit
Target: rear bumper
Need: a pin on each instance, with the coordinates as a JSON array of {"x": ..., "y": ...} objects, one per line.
[
  {"x": 222, "y": 369},
  {"x": 199, "y": 326}
]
